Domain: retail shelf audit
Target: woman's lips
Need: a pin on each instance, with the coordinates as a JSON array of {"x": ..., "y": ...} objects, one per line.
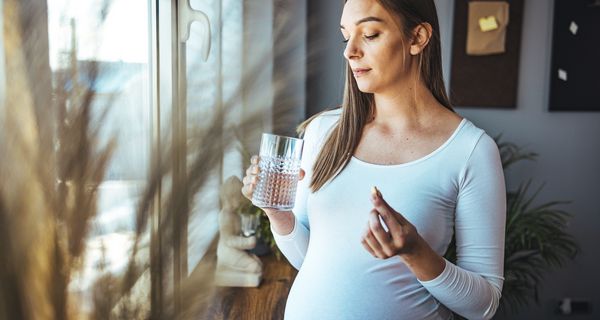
[{"x": 360, "y": 71}]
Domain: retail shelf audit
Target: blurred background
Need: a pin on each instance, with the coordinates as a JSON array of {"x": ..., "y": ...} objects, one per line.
[{"x": 169, "y": 83}]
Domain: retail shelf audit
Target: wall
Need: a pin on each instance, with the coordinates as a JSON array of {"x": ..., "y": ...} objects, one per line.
[
  {"x": 568, "y": 143},
  {"x": 324, "y": 85}
]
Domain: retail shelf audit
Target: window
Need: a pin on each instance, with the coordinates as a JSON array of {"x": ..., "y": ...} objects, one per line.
[
  {"x": 155, "y": 87},
  {"x": 115, "y": 37}
]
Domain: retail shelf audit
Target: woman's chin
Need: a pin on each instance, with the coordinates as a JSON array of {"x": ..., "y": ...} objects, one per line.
[{"x": 365, "y": 88}]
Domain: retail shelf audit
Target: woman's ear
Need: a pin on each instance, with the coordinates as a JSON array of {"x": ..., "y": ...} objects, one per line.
[{"x": 421, "y": 35}]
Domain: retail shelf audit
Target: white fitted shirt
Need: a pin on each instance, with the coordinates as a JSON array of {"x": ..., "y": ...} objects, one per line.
[{"x": 459, "y": 188}]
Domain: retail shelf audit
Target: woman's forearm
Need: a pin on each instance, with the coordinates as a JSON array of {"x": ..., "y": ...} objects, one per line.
[
  {"x": 424, "y": 263},
  {"x": 290, "y": 235},
  {"x": 282, "y": 222}
]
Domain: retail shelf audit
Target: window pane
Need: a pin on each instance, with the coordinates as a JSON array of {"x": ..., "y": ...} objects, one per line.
[
  {"x": 114, "y": 36},
  {"x": 204, "y": 96}
]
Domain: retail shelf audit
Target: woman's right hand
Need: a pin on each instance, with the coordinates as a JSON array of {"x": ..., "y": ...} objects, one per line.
[{"x": 251, "y": 179}]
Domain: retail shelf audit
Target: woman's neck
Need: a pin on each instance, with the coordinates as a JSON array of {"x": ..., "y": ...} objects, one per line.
[{"x": 404, "y": 106}]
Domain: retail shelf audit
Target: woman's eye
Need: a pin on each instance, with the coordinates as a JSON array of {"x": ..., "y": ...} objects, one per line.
[
  {"x": 371, "y": 37},
  {"x": 368, "y": 37}
]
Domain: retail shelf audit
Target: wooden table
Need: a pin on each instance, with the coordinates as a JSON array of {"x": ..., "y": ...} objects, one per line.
[{"x": 265, "y": 302}]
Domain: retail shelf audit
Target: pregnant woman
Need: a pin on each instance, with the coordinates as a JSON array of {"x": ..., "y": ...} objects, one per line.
[{"x": 377, "y": 253}]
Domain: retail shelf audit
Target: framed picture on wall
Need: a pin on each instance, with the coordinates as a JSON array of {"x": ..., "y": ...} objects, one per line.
[{"x": 575, "y": 69}]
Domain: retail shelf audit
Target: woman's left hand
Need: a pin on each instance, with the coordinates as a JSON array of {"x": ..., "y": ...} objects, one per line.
[{"x": 400, "y": 239}]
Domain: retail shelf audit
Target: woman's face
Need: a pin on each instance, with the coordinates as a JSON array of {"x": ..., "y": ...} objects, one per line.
[{"x": 374, "y": 47}]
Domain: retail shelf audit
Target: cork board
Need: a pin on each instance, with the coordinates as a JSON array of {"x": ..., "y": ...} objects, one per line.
[
  {"x": 575, "y": 70},
  {"x": 487, "y": 81}
]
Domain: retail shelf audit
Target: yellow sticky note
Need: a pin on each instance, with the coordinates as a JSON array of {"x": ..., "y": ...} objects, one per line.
[{"x": 488, "y": 23}]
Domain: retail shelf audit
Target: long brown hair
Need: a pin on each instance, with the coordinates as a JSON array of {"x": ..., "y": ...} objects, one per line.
[{"x": 357, "y": 107}]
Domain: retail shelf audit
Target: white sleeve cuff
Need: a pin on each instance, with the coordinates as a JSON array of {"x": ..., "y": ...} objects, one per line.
[
  {"x": 440, "y": 279},
  {"x": 286, "y": 237},
  {"x": 466, "y": 293}
]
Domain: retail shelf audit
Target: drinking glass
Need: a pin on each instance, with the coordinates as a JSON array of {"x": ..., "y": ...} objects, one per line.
[{"x": 279, "y": 163}]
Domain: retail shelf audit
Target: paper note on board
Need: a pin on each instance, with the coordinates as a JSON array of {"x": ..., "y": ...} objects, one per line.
[
  {"x": 488, "y": 23},
  {"x": 562, "y": 74},
  {"x": 573, "y": 27}
]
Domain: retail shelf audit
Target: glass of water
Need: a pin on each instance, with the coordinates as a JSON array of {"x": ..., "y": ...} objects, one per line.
[{"x": 279, "y": 163}]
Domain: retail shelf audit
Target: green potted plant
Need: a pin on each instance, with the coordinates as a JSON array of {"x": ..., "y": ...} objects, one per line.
[{"x": 536, "y": 237}]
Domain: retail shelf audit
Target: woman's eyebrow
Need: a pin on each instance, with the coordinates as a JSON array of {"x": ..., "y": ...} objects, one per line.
[{"x": 367, "y": 19}]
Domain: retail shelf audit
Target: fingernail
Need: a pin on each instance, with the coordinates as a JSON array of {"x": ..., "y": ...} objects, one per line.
[{"x": 375, "y": 193}]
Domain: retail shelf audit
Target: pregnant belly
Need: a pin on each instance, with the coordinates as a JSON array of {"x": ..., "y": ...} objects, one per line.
[{"x": 380, "y": 289}]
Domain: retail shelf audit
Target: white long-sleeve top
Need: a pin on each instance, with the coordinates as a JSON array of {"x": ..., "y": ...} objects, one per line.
[{"x": 459, "y": 188}]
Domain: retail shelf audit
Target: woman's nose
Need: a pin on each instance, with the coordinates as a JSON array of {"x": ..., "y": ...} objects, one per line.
[{"x": 352, "y": 50}]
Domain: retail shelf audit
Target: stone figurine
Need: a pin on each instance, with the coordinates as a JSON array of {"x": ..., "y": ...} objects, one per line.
[{"x": 235, "y": 266}]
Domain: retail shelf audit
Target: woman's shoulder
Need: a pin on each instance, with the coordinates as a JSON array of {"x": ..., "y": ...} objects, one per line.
[
  {"x": 320, "y": 123},
  {"x": 335, "y": 112},
  {"x": 470, "y": 129},
  {"x": 328, "y": 118},
  {"x": 475, "y": 138},
  {"x": 329, "y": 115}
]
